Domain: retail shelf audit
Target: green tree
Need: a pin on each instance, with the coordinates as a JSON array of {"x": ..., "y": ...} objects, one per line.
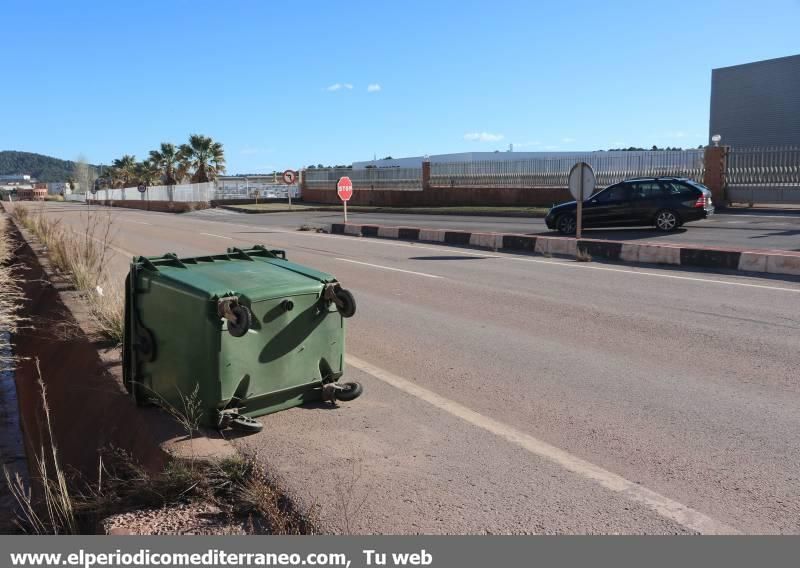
[
  {"x": 148, "y": 173},
  {"x": 123, "y": 170},
  {"x": 202, "y": 159},
  {"x": 167, "y": 158}
]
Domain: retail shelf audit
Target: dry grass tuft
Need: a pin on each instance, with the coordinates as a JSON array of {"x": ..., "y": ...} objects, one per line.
[
  {"x": 257, "y": 494},
  {"x": 83, "y": 256},
  {"x": 11, "y": 297},
  {"x": 582, "y": 255},
  {"x": 53, "y": 512}
]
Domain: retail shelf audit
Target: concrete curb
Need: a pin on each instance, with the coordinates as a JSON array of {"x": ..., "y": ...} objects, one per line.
[{"x": 772, "y": 262}]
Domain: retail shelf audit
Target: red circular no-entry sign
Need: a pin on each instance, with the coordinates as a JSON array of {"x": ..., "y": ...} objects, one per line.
[
  {"x": 289, "y": 177},
  {"x": 344, "y": 187}
]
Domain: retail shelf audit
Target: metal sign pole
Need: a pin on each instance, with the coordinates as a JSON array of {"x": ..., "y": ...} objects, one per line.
[
  {"x": 345, "y": 212},
  {"x": 579, "y": 226}
]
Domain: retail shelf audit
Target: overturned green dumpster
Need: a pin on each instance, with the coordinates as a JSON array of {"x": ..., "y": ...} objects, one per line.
[{"x": 244, "y": 333}]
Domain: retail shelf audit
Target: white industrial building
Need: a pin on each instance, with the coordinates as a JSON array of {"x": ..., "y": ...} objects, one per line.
[{"x": 461, "y": 157}]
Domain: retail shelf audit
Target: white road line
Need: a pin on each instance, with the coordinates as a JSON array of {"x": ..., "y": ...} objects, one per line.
[
  {"x": 388, "y": 268},
  {"x": 218, "y": 236},
  {"x": 139, "y": 222},
  {"x": 569, "y": 264},
  {"x": 748, "y": 216},
  {"x": 664, "y": 506}
]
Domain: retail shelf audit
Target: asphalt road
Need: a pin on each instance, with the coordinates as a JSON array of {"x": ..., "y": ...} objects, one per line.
[
  {"x": 514, "y": 394},
  {"x": 739, "y": 229}
]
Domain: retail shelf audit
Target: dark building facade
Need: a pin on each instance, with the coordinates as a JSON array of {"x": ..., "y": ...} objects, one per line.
[{"x": 757, "y": 104}]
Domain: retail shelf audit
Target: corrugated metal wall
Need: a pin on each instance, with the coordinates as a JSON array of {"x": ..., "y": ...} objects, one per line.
[{"x": 757, "y": 104}]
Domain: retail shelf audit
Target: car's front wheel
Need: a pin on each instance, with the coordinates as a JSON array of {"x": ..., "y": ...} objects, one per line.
[
  {"x": 566, "y": 224},
  {"x": 667, "y": 220}
]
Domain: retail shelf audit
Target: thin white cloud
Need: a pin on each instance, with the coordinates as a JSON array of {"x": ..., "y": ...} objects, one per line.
[
  {"x": 373, "y": 88},
  {"x": 339, "y": 86},
  {"x": 482, "y": 137},
  {"x": 567, "y": 140}
]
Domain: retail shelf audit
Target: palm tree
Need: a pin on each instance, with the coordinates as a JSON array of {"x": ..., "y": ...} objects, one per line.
[
  {"x": 112, "y": 176},
  {"x": 203, "y": 157},
  {"x": 124, "y": 169},
  {"x": 167, "y": 159},
  {"x": 148, "y": 173}
]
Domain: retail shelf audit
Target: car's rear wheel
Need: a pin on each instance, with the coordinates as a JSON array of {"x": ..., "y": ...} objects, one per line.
[
  {"x": 566, "y": 224},
  {"x": 667, "y": 220}
]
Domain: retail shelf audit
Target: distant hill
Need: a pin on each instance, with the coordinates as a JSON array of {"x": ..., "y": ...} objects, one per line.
[{"x": 43, "y": 168}]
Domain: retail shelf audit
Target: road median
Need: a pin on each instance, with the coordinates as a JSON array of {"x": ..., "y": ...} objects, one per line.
[{"x": 751, "y": 262}]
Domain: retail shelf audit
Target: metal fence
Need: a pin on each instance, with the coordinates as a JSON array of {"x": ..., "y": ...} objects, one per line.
[
  {"x": 196, "y": 192},
  {"x": 763, "y": 175},
  {"x": 185, "y": 192},
  {"x": 609, "y": 167},
  {"x": 409, "y": 179}
]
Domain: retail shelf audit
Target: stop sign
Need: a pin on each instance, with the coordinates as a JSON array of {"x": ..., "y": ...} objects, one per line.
[{"x": 344, "y": 187}]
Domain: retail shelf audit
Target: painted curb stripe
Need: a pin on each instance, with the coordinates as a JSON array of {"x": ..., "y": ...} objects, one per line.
[
  {"x": 519, "y": 242},
  {"x": 457, "y": 237},
  {"x": 710, "y": 258},
  {"x": 408, "y": 233},
  {"x": 753, "y": 262},
  {"x": 609, "y": 250}
]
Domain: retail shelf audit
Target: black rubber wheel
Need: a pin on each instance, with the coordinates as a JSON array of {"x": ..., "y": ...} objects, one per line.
[
  {"x": 243, "y": 321},
  {"x": 566, "y": 224},
  {"x": 246, "y": 424},
  {"x": 667, "y": 220},
  {"x": 351, "y": 391},
  {"x": 348, "y": 307}
]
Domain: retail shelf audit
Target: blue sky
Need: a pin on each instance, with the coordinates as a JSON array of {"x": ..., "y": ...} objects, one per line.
[{"x": 102, "y": 79}]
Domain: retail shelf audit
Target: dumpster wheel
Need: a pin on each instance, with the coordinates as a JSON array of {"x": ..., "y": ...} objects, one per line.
[
  {"x": 346, "y": 304},
  {"x": 243, "y": 320},
  {"x": 246, "y": 424},
  {"x": 238, "y": 422},
  {"x": 343, "y": 299},
  {"x": 348, "y": 391}
]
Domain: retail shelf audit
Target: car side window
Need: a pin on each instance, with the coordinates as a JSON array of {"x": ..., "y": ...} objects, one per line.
[
  {"x": 646, "y": 190},
  {"x": 677, "y": 189},
  {"x": 613, "y": 193}
]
